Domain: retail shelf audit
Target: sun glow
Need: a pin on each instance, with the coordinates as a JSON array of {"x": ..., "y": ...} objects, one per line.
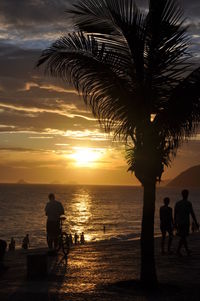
[{"x": 86, "y": 157}]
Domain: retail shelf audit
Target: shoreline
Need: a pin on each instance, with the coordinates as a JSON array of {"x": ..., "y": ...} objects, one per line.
[
  {"x": 103, "y": 271},
  {"x": 100, "y": 241}
]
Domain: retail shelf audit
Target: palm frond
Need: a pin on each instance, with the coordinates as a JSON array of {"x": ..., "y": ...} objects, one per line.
[
  {"x": 97, "y": 73},
  {"x": 131, "y": 23},
  {"x": 166, "y": 56},
  {"x": 120, "y": 19},
  {"x": 127, "y": 66},
  {"x": 181, "y": 115},
  {"x": 91, "y": 16}
]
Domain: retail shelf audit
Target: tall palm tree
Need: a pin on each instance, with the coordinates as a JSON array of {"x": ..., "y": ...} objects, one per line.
[{"x": 134, "y": 71}]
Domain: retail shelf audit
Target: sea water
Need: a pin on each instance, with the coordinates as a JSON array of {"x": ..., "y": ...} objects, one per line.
[{"x": 87, "y": 208}]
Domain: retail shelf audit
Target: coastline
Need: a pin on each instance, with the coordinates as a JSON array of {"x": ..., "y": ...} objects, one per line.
[{"x": 104, "y": 271}]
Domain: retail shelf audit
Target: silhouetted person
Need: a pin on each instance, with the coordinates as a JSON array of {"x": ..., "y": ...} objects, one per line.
[
  {"x": 82, "y": 238},
  {"x": 166, "y": 224},
  {"x": 53, "y": 210},
  {"x": 11, "y": 246},
  {"x": 70, "y": 239},
  {"x": 67, "y": 239},
  {"x": 76, "y": 238},
  {"x": 25, "y": 242},
  {"x": 3, "y": 246},
  {"x": 104, "y": 229},
  {"x": 183, "y": 210}
]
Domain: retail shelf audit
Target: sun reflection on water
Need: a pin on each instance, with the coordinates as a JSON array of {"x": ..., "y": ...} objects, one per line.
[{"x": 81, "y": 211}]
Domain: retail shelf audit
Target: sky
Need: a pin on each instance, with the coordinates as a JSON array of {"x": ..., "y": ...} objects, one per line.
[{"x": 47, "y": 135}]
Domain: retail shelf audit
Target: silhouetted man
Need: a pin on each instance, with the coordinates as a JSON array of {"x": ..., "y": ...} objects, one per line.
[
  {"x": 166, "y": 224},
  {"x": 182, "y": 212},
  {"x": 54, "y": 210}
]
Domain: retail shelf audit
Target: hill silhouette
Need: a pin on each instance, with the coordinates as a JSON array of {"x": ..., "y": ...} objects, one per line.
[
  {"x": 21, "y": 181},
  {"x": 188, "y": 178}
]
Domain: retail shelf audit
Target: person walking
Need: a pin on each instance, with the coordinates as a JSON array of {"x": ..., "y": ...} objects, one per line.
[
  {"x": 166, "y": 224},
  {"x": 183, "y": 210},
  {"x": 53, "y": 210}
]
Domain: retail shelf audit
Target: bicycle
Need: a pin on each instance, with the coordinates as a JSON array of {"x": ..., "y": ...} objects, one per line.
[{"x": 63, "y": 239}]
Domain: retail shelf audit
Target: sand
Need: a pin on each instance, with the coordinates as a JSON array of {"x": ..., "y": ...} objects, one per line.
[{"x": 104, "y": 272}]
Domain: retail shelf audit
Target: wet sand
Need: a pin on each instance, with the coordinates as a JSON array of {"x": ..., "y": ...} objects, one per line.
[{"x": 105, "y": 272}]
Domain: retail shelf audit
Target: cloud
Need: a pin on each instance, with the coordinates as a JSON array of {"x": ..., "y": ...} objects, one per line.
[
  {"x": 36, "y": 23},
  {"x": 94, "y": 135},
  {"x": 31, "y": 102},
  {"x": 39, "y": 20},
  {"x": 17, "y": 149},
  {"x": 49, "y": 87}
]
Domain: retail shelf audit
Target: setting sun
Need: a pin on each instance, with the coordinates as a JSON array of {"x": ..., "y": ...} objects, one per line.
[{"x": 86, "y": 157}]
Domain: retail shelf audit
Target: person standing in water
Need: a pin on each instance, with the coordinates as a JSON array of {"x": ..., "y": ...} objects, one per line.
[
  {"x": 166, "y": 224},
  {"x": 82, "y": 238},
  {"x": 25, "y": 242},
  {"x": 76, "y": 237},
  {"x": 11, "y": 246},
  {"x": 53, "y": 210}
]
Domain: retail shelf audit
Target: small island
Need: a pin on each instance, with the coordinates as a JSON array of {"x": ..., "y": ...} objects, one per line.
[{"x": 22, "y": 182}]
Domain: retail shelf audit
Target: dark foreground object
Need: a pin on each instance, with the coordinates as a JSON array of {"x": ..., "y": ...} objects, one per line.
[
  {"x": 36, "y": 266},
  {"x": 104, "y": 272}
]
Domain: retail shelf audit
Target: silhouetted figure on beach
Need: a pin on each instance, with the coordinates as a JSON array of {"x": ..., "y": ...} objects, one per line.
[
  {"x": 70, "y": 239},
  {"x": 182, "y": 212},
  {"x": 76, "y": 238},
  {"x": 166, "y": 224},
  {"x": 11, "y": 246},
  {"x": 82, "y": 238},
  {"x": 67, "y": 239},
  {"x": 53, "y": 210},
  {"x": 25, "y": 242},
  {"x": 104, "y": 229}
]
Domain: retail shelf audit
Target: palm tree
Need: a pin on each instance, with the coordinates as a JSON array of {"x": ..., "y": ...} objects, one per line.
[{"x": 135, "y": 72}]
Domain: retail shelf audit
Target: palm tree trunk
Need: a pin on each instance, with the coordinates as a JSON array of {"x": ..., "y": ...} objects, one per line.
[{"x": 148, "y": 271}]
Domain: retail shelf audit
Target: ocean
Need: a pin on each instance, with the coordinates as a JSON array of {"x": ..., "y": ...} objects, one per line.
[{"x": 87, "y": 208}]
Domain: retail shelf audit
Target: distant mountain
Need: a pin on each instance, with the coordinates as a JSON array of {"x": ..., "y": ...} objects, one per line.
[
  {"x": 21, "y": 181},
  {"x": 55, "y": 182},
  {"x": 188, "y": 178},
  {"x": 164, "y": 183}
]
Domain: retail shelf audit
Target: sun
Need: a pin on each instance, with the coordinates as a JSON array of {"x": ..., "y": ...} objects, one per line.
[{"x": 86, "y": 157}]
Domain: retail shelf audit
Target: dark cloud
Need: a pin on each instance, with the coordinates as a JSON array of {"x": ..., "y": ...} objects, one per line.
[
  {"x": 191, "y": 8},
  {"x": 33, "y": 19},
  {"x": 44, "y": 20},
  {"x": 28, "y": 12}
]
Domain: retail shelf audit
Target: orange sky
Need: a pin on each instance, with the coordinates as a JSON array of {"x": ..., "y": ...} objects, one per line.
[{"x": 46, "y": 132}]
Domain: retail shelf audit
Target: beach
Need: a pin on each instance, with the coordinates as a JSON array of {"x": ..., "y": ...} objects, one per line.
[{"x": 104, "y": 271}]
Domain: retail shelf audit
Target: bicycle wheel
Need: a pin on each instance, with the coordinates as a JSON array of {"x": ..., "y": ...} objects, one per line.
[
  {"x": 65, "y": 243},
  {"x": 59, "y": 243}
]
